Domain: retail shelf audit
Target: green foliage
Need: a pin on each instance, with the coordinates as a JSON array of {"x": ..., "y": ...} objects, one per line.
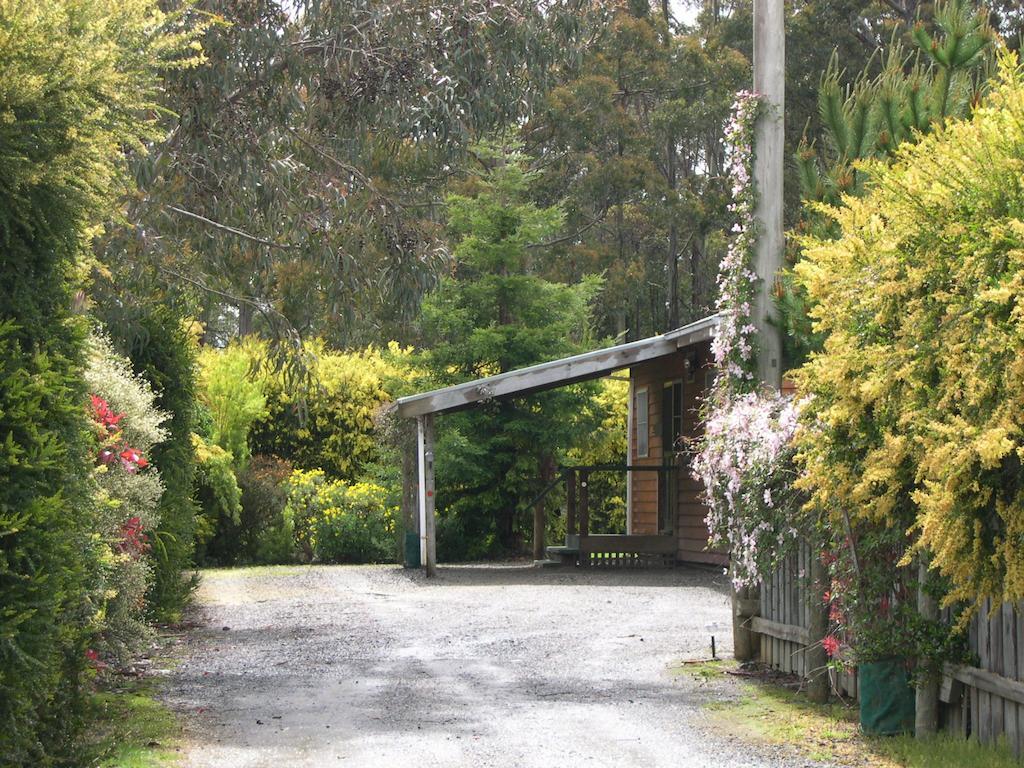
[
  {"x": 342, "y": 523},
  {"x": 331, "y": 176},
  {"x": 266, "y": 536},
  {"x": 914, "y": 420},
  {"x": 330, "y": 425},
  {"x": 217, "y": 493},
  {"x": 632, "y": 146},
  {"x": 129, "y": 502},
  {"x": 234, "y": 394},
  {"x": 493, "y": 315},
  {"x": 77, "y": 86},
  {"x": 902, "y": 102}
]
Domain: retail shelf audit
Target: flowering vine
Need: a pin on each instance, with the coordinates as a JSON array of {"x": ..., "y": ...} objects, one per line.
[
  {"x": 745, "y": 458},
  {"x": 733, "y": 347},
  {"x": 745, "y": 464}
]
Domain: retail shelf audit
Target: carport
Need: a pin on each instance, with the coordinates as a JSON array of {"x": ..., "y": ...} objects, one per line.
[{"x": 676, "y": 351}]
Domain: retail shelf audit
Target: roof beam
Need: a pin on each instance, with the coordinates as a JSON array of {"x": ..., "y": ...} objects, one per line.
[{"x": 556, "y": 373}]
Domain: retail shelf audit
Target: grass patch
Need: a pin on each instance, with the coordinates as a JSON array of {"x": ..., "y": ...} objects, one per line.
[
  {"x": 129, "y": 728},
  {"x": 762, "y": 712}
]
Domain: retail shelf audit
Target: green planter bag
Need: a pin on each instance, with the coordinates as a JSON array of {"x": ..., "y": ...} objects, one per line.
[
  {"x": 886, "y": 697},
  {"x": 412, "y": 549}
]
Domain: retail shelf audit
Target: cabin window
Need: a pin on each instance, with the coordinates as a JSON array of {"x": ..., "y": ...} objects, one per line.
[
  {"x": 671, "y": 431},
  {"x": 672, "y": 416},
  {"x": 709, "y": 379},
  {"x": 640, "y": 416}
]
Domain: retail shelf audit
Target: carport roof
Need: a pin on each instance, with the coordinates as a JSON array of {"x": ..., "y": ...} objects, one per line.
[{"x": 557, "y": 373}]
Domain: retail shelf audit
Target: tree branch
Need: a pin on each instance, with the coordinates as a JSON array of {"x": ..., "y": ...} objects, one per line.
[{"x": 232, "y": 230}]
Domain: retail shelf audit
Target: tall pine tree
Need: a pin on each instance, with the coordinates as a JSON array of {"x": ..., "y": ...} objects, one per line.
[{"x": 492, "y": 315}]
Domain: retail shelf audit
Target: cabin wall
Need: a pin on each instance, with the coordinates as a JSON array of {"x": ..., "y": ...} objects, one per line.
[{"x": 688, "y": 523}]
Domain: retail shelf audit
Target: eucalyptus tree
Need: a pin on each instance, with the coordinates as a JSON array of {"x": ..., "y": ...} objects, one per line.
[
  {"x": 297, "y": 190},
  {"x": 631, "y": 140}
]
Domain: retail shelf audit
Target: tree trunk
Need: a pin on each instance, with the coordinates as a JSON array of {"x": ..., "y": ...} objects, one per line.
[
  {"x": 244, "y": 319},
  {"x": 540, "y": 517}
]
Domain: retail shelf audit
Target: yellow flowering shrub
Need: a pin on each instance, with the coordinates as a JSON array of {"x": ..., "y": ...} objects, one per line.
[
  {"x": 337, "y": 522},
  {"x": 917, "y": 398}
]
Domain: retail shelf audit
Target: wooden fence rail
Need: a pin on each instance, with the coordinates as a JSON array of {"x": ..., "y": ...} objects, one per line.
[{"x": 985, "y": 702}]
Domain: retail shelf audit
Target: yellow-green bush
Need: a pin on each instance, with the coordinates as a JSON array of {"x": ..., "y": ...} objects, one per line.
[
  {"x": 234, "y": 391},
  {"x": 337, "y": 522},
  {"x": 330, "y": 424},
  {"x": 917, "y": 406}
]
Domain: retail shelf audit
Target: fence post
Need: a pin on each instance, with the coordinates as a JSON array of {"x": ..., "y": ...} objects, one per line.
[
  {"x": 746, "y": 603},
  {"x": 817, "y": 627}
]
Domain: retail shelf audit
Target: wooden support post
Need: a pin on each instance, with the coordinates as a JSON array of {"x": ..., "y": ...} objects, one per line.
[
  {"x": 431, "y": 519},
  {"x": 410, "y": 516},
  {"x": 540, "y": 517},
  {"x": 427, "y": 527},
  {"x": 817, "y": 628},
  {"x": 570, "y": 504},
  {"x": 926, "y": 717},
  {"x": 584, "y": 503}
]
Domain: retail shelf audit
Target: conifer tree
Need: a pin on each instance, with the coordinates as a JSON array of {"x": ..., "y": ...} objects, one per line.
[{"x": 492, "y": 315}]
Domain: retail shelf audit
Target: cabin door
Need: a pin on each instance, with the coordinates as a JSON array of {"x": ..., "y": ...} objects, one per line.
[{"x": 671, "y": 430}]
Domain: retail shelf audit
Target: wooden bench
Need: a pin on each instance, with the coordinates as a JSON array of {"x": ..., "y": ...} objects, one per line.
[{"x": 617, "y": 551}]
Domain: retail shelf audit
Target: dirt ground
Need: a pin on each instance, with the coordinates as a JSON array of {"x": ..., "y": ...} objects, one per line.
[{"x": 303, "y": 667}]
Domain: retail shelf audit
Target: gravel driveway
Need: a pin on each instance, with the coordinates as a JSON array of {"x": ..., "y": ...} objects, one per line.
[{"x": 484, "y": 666}]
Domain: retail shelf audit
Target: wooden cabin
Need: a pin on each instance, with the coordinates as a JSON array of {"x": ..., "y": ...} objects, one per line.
[
  {"x": 665, "y": 398},
  {"x": 668, "y": 376}
]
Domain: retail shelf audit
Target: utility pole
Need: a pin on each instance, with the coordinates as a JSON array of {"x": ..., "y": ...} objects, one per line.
[
  {"x": 769, "y": 152},
  {"x": 769, "y": 158}
]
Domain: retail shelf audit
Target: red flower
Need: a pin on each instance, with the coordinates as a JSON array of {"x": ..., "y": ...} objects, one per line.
[
  {"x": 132, "y": 460},
  {"x": 103, "y": 414},
  {"x": 831, "y": 645},
  {"x": 133, "y": 540}
]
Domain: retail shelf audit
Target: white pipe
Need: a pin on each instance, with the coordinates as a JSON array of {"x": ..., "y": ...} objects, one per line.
[{"x": 421, "y": 468}]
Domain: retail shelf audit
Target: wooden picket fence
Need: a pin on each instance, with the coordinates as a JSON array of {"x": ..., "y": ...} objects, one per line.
[
  {"x": 987, "y": 701},
  {"x": 984, "y": 702}
]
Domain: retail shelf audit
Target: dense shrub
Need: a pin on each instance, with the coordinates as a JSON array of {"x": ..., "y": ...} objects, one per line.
[
  {"x": 233, "y": 390},
  {"x": 127, "y": 426},
  {"x": 915, "y": 416},
  {"x": 329, "y": 425},
  {"x": 77, "y": 85},
  {"x": 163, "y": 352},
  {"x": 342, "y": 523},
  {"x": 265, "y": 535},
  {"x": 219, "y": 498}
]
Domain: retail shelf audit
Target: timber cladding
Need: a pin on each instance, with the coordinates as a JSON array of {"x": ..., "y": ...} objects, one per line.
[{"x": 649, "y": 491}]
